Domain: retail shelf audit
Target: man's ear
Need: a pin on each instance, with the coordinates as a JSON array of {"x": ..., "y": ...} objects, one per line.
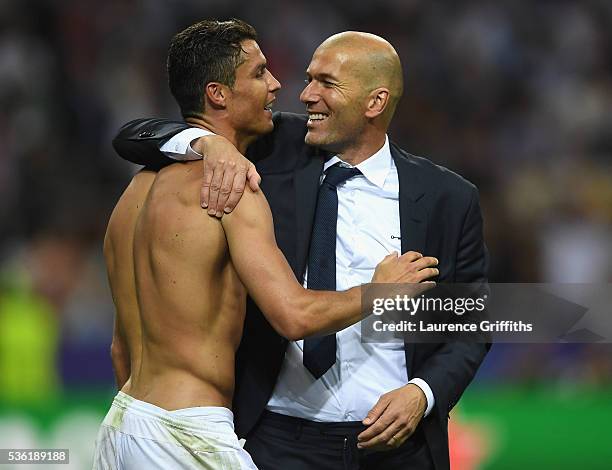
[
  {"x": 377, "y": 102},
  {"x": 217, "y": 94}
]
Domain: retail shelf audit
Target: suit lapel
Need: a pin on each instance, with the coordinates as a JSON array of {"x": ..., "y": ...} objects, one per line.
[
  {"x": 306, "y": 188},
  {"x": 413, "y": 214},
  {"x": 413, "y": 218}
]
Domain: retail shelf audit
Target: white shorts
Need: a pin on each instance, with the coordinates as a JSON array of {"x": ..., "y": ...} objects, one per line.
[{"x": 139, "y": 436}]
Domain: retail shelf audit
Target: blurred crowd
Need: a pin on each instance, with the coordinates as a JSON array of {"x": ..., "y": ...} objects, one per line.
[{"x": 514, "y": 95}]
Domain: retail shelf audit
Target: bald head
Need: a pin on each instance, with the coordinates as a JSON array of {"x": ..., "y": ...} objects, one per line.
[
  {"x": 370, "y": 58},
  {"x": 354, "y": 84}
]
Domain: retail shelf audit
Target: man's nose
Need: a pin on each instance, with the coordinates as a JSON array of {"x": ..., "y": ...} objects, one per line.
[
  {"x": 308, "y": 95},
  {"x": 274, "y": 84}
]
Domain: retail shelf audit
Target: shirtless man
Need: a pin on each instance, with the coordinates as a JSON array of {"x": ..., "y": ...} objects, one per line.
[{"x": 179, "y": 278}]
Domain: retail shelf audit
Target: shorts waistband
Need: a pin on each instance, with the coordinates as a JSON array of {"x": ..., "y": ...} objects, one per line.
[{"x": 185, "y": 417}]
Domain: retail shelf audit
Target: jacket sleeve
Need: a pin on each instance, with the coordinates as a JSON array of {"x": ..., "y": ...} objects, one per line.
[
  {"x": 451, "y": 368},
  {"x": 139, "y": 141}
]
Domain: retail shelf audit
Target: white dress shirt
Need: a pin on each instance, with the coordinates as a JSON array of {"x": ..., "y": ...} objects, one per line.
[
  {"x": 368, "y": 230},
  {"x": 178, "y": 147}
]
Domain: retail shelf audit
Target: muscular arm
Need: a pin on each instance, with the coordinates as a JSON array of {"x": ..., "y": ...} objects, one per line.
[
  {"x": 296, "y": 312},
  {"x": 293, "y": 311}
]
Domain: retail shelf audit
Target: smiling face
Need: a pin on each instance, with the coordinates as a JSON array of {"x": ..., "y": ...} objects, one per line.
[
  {"x": 250, "y": 99},
  {"x": 335, "y": 100},
  {"x": 354, "y": 82}
]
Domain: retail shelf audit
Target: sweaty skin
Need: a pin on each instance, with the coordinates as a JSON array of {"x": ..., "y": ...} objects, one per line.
[
  {"x": 126, "y": 345},
  {"x": 191, "y": 294},
  {"x": 191, "y": 300}
]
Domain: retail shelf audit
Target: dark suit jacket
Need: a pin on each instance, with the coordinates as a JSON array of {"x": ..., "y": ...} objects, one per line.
[{"x": 439, "y": 216}]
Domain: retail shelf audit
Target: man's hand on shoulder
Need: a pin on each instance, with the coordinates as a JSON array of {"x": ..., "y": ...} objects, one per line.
[
  {"x": 226, "y": 172},
  {"x": 393, "y": 419}
]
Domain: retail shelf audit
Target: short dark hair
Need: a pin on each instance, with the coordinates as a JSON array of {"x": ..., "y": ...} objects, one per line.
[{"x": 208, "y": 51}]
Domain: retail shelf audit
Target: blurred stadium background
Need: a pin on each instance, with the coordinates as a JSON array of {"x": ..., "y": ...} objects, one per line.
[{"x": 514, "y": 95}]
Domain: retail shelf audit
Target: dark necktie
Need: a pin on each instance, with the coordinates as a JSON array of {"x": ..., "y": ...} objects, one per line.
[{"x": 320, "y": 352}]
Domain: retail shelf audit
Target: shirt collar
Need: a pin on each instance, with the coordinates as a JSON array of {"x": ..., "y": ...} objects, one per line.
[{"x": 374, "y": 168}]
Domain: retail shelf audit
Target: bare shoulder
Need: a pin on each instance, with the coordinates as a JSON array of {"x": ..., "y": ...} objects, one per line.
[
  {"x": 128, "y": 207},
  {"x": 253, "y": 209},
  {"x": 172, "y": 218},
  {"x": 179, "y": 182},
  {"x": 174, "y": 194}
]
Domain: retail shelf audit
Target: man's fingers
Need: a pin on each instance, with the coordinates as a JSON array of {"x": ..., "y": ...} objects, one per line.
[
  {"x": 426, "y": 262},
  {"x": 382, "y": 437},
  {"x": 385, "y": 436},
  {"x": 375, "y": 429},
  {"x": 226, "y": 187},
  {"x": 396, "y": 441},
  {"x": 225, "y": 173},
  {"x": 205, "y": 191},
  {"x": 427, "y": 273},
  {"x": 377, "y": 419},
  {"x": 215, "y": 186},
  {"x": 411, "y": 256},
  {"x": 253, "y": 177},
  {"x": 382, "y": 403},
  {"x": 237, "y": 190},
  {"x": 425, "y": 268},
  {"x": 399, "y": 438},
  {"x": 406, "y": 429}
]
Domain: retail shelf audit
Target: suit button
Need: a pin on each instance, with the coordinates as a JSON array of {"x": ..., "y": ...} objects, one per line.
[{"x": 144, "y": 134}]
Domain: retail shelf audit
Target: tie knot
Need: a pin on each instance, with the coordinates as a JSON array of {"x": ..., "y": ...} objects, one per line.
[{"x": 337, "y": 174}]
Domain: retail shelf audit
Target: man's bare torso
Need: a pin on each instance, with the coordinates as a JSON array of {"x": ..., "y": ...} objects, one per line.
[{"x": 190, "y": 301}]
